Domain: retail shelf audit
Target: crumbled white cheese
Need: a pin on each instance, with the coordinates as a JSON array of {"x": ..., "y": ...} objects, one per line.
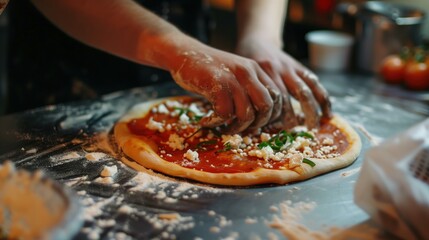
[
  {"x": 176, "y": 142},
  {"x": 162, "y": 109},
  {"x": 328, "y": 141},
  {"x": 191, "y": 155},
  {"x": 265, "y": 137},
  {"x": 279, "y": 156},
  {"x": 308, "y": 152},
  {"x": 234, "y": 140},
  {"x": 247, "y": 140},
  {"x": 301, "y": 142},
  {"x": 327, "y": 149},
  {"x": 319, "y": 154},
  {"x": 265, "y": 153},
  {"x": 184, "y": 119},
  {"x": 173, "y": 104},
  {"x": 154, "y": 125},
  {"x": 194, "y": 108},
  {"x": 300, "y": 129},
  {"x": 295, "y": 160}
]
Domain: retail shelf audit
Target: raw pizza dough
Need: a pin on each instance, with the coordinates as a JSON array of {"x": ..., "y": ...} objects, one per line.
[{"x": 295, "y": 165}]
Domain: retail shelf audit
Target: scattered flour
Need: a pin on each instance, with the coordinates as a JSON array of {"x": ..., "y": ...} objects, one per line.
[
  {"x": 350, "y": 172},
  {"x": 31, "y": 151},
  {"x": 109, "y": 171},
  {"x": 95, "y": 156},
  {"x": 67, "y": 156},
  {"x": 104, "y": 180},
  {"x": 288, "y": 223},
  {"x": 160, "y": 187},
  {"x": 249, "y": 220}
]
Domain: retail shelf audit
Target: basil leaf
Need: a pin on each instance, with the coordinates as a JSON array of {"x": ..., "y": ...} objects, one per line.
[{"x": 309, "y": 162}]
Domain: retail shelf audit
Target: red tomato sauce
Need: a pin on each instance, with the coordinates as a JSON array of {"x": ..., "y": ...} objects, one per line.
[{"x": 212, "y": 156}]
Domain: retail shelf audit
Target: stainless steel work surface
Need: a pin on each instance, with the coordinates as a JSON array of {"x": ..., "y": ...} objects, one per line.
[{"x": 72, "y": 143}]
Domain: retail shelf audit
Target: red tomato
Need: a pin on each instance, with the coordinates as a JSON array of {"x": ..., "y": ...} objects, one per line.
[
  {"x": 392, "y": 69},
  {"x": 416, "y": 75}
]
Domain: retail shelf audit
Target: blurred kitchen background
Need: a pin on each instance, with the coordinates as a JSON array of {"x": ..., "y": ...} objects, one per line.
[{"x": 303, "y": 16}]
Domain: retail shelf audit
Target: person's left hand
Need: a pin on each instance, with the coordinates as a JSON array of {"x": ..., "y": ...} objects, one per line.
[{"x": 292, "y": 78}]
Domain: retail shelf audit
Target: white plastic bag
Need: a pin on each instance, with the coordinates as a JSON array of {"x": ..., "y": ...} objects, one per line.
[{"x": 393, "y": 186}]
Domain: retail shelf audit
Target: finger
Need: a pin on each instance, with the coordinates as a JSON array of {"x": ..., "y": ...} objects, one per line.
[
  {"x": 287, "y": 113},
  {"x": 244, "y": 112},
  {"x": 223, "y": 107},
  {"x": 288, "y": 116},
  {"x": 275, "y": 87},
  {"x": 259, "y": 96},
  {"x": 318, "y": 90},
  {"x": 277, "y": 103},
  {"x": 303, "y": 94}
]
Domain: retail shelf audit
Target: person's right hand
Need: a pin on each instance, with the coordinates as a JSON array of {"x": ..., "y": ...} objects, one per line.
[
  {"x": 242, "y": 94},
  {"x": 293, "y": 79}
]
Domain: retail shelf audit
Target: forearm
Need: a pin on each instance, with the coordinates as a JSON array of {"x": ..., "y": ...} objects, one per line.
[
  {"x": 121, "y": 27},
  {"x": 261, "y": 19}
]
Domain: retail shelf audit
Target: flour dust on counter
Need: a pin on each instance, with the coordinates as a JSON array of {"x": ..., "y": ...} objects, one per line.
[
  {"x": 142, "y": 197},
  {"x": 287, "y": 219}
]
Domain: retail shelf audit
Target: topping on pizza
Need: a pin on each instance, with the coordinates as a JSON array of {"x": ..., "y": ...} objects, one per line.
[{"x": 173, "y": 127}]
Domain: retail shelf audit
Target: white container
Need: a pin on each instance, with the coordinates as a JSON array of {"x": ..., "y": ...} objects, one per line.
[{"x": 329, "y": 50}]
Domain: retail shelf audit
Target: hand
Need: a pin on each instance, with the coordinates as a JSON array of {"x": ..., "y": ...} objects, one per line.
[
  {"x": 292, "y": 78},
  {"x": 241, "y": 93}
]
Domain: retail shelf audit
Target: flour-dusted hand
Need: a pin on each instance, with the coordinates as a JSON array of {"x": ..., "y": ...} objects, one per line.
[
  {"x": 292, "y": 78},
  {"x": 241, "y": 92},
  {"x": 260, "y": 35},
  {"x": 245, "y": 93}
]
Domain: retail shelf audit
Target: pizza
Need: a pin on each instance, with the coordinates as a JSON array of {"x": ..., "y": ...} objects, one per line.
[{"x": 165, "y": 135}]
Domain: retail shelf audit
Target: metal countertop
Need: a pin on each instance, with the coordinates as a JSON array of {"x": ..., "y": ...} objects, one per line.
[{"x": 40, "y": 138}]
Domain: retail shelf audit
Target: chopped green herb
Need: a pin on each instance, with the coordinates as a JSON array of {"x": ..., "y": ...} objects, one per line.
[
  {"x": 304, "y": 134},
  {"x": 227, "y": 147},
  {"x": 263, "y": 144},
  {"x": 194, "y": 117},
  {"x": 197, "y": 118},
  {"x": 181, "y": 110},
  {"x": 309, "y": 162},
  {"x": 206, "y": 143},
  {"x": 277, "y": 141}
]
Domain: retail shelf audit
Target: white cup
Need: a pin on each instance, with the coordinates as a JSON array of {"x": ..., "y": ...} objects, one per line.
[{"x": 329, "y": 50}]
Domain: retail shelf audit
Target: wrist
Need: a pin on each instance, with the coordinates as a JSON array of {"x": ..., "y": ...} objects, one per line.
[
  {"x": 166, "y": 50},
  {"x": 259, "y": 39}
]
